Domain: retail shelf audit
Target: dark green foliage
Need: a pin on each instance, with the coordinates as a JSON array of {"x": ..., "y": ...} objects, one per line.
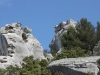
[
  {"x": 73, "y": 53},
  {"x": 70, "y": 39},
  {"x": 83, "y": 36},
  {"x": 58, "y": 73},
  {"x": 32, "y": 67},
  {"x": 10, "y": 70},
  {"x": 53, "y": 52},
  {"x": 35, "y": 67},
  {"x": 98, "y": 62},
  {"x": 2, "y": 71},
  {"x": 45, "y": 72},
  {"x": 98, "y": 32},
  {"x": 24, "y": 36},
  {"x": 86, "y": 34},
  {"x": 6, "y": 28},
  {"x": 43, "y": 63},
  {"x": 90, "y": 73}
]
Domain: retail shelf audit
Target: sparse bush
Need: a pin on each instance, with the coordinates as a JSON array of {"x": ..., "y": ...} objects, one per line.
[
  {"x": 43, "y": 63},
  {"x": 73, "y": 53},
  {"x": 32, "y": 67},
  {"x": 98, "y": 61},
  {"x": 6, "y": 28},
  {"x": 24, "y": 36},
  {"x": 58, "y": 73},
  {"x": 90, "y": 73}
]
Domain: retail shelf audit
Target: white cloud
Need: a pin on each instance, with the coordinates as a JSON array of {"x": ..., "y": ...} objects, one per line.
[{"x": 5, "y": 3}]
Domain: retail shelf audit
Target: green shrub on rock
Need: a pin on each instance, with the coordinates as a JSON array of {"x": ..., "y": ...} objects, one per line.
[
  {"x": 90, "y": 73},
  {"x": 98, "y": 62},
  {"x": 58, "y": 73},
  {"x": 24, "y": 36},
  {"x": 32, "y": 67},
  {"x": 73, "y": 53},
  {"x": 43, "y": 63}
]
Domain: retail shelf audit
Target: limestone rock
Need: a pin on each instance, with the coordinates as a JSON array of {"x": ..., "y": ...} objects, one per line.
[
  {"x": 59, "y": 30},
  {"x": 49, "y": 56},
  {"x": 14, "y": 48},
  {"x": 75, "y": 66},
  {"x": 27, "y": 30}
]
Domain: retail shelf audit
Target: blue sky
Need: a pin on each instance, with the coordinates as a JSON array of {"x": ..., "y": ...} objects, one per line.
[{"x": 42, "y": 15}]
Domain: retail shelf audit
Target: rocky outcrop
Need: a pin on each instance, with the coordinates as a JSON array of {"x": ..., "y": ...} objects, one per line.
[
  {"x": 14, "y": 48},
  {"x": 75, "y": 66},
  {"x": 59, "y": 30}
]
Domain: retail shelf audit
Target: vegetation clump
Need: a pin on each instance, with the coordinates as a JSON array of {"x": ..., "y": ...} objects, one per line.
[
  {"x": 90, "y": 73},
  {"x": 73, "y": 53},
  {"x": 58, "y": 73},
  {"x": 32, "y": 67},
  {"x": 24, "y": 36}
]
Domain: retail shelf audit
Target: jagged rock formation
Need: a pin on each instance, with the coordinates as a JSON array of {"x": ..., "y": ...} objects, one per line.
[
  {"x": 75, "y": 66},
  {"x": 59, "y": 30},
  {"x": 14, "y": 47}
]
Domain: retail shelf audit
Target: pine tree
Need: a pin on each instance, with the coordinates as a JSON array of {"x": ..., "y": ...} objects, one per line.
[
  {"x": 69, "y": 39},
  {"x": 86, "y": 34},
  {"x": 98, "y": 32}
]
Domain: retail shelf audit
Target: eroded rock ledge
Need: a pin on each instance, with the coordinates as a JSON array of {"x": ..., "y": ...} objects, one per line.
[{"x": 75, "y": 66}]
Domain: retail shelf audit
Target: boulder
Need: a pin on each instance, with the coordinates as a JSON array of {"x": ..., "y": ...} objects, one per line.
[{"x": 75, "y": 66}]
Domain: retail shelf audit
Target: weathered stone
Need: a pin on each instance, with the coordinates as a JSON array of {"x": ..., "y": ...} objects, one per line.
[
  {"x": 14, "y": 48},
  {"x": 27, "y": 30},
  {"x": 75, "y": 66},
  {"x": 59, "y": 30}
]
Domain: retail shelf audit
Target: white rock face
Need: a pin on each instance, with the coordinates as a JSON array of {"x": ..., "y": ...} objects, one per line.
[
  {"x": 49, "y": 56},
  {"x": 17, "y": 47},
  {"x": 59, "y": 30},
  {"x": 75, "y": 66}
]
